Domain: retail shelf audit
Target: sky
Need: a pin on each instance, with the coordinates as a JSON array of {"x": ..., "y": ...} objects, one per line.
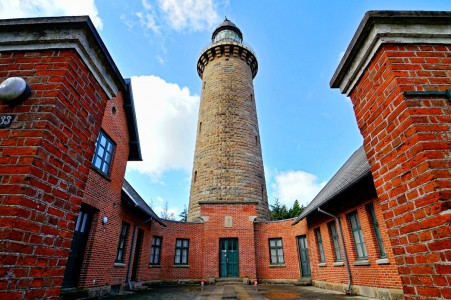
[{"x": 307, "y": 129}]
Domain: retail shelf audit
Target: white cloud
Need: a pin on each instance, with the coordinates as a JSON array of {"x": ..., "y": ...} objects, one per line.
[
  {"x": 179, "y": 15},
  {"x": 292, "y": 185},
  {"x": 147, "y": 20},
  {"x": 49, "y": 8},
  {"x": 167, "y": 116},
  {"x": 126, "y": 21},
  {"x": 192, "y": 14}
]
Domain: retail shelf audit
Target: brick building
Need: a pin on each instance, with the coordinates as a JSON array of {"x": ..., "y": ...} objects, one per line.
[{"x": 380, "y": 227}]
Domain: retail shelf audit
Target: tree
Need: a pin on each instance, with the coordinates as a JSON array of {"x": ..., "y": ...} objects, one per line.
[
  {"x": 165, "y": 214},
  {"x": 184, "y": 214},
  {"x": 296, "y": 210},
  {"x": 278, "y": 211}
]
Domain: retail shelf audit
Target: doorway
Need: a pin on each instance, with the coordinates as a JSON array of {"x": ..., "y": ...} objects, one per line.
[
  {"x": 303, "y": 257},
  {"x": 228, "y": 258},
  {"x": 139, "y": 242},
  {"x": 77, "y": 249}
]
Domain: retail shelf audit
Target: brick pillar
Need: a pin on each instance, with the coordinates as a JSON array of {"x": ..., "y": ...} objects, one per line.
[
  {"x": 407, "y": 137},
  {"x": 45, "y": 155}
]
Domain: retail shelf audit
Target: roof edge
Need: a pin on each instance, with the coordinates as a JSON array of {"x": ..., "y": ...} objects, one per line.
[
  {"x": 379, "y": 27},
  {"x": 72, "y": 32},
  {"x": 134, "y": 153}
]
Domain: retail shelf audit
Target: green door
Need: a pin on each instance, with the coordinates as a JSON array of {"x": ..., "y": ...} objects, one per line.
[
  {"x": 303, "y": 257},
  {"x": 228, "y": 258}
]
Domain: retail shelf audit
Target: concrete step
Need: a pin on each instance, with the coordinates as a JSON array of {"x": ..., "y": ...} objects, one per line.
[
  {"x": 304, "y": 282},
  {"x": 229, "y": 281}
]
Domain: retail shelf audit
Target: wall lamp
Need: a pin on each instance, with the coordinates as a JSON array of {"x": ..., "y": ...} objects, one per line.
[{"x": 14, "y": 91}]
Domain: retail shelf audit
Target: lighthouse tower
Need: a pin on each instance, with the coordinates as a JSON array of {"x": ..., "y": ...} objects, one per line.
[{"x": 228, "y": 165}]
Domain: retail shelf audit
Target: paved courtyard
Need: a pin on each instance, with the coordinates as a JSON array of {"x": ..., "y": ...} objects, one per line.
[{"x": 241, "y": 292}]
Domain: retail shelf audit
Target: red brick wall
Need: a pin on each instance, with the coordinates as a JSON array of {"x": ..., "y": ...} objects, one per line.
[
  {"x": 166, "y": 270},
  {"x": 407, "y": 142},
  {"x": 373, "y": 275},
  {"x": 288, "y": 233},
  {"x": 45, "y": 158},
  {"x": 105, "y": 195},
  {"x": 242, "y": 228}
]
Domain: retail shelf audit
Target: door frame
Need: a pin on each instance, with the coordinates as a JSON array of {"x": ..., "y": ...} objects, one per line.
[
  {"x": 74, "y": 265},
  {"x": 226, "y": 240},
  {"x": 298, "y": 238},
  {"x": 137, "y": 254}
]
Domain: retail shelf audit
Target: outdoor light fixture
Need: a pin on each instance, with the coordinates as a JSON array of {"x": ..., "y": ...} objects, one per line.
[
  {"x": 104, "y": 220},
  {"x": 14, "y": 91}
]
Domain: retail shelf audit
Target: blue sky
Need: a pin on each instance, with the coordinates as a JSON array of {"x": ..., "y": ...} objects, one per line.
[{"x": 307, "y": 129}]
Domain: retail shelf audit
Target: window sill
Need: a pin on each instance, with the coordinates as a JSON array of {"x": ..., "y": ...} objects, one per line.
[
  {"x": 383, "y": 261},
  {"x": 277, "y": 266},
  {"x": 322, "y": 265},
  {"x": 119, "y": 265},
  {"x": 181, "y": 266},
  {"x": 363, "y": 262},
  {"x": 338, "y": 264},
  {"x": 100, "y": 173},
  {"x": 154, "y": 266}
]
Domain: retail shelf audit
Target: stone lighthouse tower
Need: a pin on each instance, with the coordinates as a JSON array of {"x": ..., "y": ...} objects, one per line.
[{"x": 228, "y": 165}]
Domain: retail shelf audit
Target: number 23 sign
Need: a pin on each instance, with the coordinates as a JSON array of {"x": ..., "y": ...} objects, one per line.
[{"x": 6, "y": 120}]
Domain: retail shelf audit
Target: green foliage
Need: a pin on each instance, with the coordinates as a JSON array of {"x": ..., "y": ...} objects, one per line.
[
  {"x": 184, "y": 214},
  {"x": 279, "y": 211}
]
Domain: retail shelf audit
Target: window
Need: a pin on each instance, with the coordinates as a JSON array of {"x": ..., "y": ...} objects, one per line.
[
  {"x": 335, "y": 241},
  {"x": 322, "y": 259},
  {"x": 181, "y": 251},
  {"x": 377, "y": 233},
  {"x": 357, "y": 236},
  {"x": 121, "y": 246},
  {"x": 104, "y": 153},
  {"x": 276, "y": 251},
  {"x": 155, "y": 252}
]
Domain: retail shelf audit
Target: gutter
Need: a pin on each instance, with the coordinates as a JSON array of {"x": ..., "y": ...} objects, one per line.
[
  {"x": 337, "y": 220},
  {"x": 135, "y": 227}
]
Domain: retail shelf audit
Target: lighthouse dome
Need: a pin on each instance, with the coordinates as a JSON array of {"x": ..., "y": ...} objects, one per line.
[{"x": 227, "y": 31}]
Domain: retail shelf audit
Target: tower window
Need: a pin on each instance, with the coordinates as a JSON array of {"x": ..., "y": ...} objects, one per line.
[
  {"x": 181, "y": 251},
  {"x": 376, "y": 230},
  {"x": 357, "y": 236},
  {"x": 256, "y": 140},
  {"x": 276, "y": 251},
  {"x": 103, "y": 154},
  {"x": 319, "y": 241},
  {"x": 335, "y": 241},
  {"x": 156, "y": 250},
  {"x": 120, "y": 254},
  {"x": 195, "y": 176},
  {"x": 200, "y": 127}
]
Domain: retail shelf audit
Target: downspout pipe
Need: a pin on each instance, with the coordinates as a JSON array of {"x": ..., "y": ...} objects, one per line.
[
  {"x": 337, "y": 220},
  {"x": 135, "y": 228}
]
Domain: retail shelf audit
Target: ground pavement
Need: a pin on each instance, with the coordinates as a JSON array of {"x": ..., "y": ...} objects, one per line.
[{"x": 241, "y": 292}]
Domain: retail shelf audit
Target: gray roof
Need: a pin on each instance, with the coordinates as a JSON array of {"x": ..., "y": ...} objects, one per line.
[
  {"x": 354, "y": 169},
  {"x": 135, "y": 199}
]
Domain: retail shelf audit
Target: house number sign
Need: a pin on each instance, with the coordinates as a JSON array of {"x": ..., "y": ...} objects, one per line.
[{"x": 6, "y": 120}]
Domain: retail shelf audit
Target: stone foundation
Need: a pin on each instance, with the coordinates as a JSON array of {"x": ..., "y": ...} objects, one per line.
[{"x": 360, "y": 290}]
